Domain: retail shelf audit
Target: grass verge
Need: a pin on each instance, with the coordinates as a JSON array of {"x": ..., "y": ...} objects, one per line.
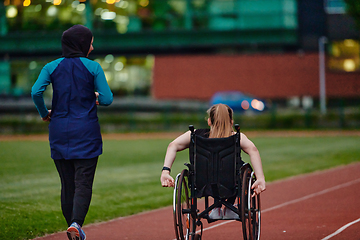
[{"x": 127, "y": 177}]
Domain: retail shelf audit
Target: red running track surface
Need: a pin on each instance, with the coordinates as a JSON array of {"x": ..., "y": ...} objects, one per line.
[{"x": 322, "y": 205}]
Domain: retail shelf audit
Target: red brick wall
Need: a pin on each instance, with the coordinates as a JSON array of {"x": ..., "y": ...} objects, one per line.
[{"x": 265, "y": 76}]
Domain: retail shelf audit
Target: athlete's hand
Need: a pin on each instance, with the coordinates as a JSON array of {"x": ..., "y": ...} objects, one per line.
[
  {"x": 97, "y": 98},
  {"x": 166, "y": 179},
  {"x": 258, "y": 186},
  {"x": 48, "y": 117}
]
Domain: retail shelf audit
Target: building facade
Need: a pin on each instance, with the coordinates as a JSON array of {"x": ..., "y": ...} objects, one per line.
[{"x": 189, "y": 49}]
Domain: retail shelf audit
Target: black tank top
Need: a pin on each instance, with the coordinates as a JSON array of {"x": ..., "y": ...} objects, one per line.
[{"x": 202, "y": 132}]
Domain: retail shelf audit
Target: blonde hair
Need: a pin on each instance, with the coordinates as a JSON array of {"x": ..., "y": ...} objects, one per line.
[{"x": 221, "y": 117}]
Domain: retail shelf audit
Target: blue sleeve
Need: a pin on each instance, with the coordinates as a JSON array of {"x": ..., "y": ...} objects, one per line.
[
  {"x": 101, "y": 86},
  {"x": 40, "y": 86},
  {"x": 38, "y": 89}
]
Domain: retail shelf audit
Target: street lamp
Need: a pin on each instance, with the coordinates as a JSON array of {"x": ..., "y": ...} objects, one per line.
[{"x": 322, "y": 41}]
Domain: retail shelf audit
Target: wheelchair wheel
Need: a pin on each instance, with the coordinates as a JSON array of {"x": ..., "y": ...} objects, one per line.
[
  {"x": 250, "y": 207},
  {"x": 181, "y": 201}
]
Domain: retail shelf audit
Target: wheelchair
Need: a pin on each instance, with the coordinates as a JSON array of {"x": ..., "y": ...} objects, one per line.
[{"x": 217, "y": 171}]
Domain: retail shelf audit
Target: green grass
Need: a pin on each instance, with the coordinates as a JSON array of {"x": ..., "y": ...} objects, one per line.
[{"x": 127, "y": 177}]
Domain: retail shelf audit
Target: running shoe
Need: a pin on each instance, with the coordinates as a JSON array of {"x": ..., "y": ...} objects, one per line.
[
  {"x": 216, "y": 213},
  {"x": 230, "y": 214},
  {"x": 74, "y": 232}
]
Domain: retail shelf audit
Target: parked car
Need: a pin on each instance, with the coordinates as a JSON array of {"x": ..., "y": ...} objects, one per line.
[{"x": 238, "y": 101}]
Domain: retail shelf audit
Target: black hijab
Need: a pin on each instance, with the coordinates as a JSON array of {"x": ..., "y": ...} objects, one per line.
[{"x": 75, "y": 41}]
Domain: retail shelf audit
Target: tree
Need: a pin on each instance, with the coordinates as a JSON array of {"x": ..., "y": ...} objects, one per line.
[{"x": 353, "y": 10}]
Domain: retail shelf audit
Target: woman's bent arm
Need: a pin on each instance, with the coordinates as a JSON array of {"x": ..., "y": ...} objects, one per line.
[{"x": 180, "y": 143}]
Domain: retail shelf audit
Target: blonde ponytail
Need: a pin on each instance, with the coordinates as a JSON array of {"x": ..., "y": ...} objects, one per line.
[{"x": 221, "y": 117}]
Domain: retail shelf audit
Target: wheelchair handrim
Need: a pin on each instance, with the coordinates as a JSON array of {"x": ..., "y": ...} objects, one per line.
[
  {"x": 174, "y": 193},
  {"x": 249, "y": 205}
]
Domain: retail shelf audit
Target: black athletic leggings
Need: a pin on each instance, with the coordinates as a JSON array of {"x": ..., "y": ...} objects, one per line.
[{"x": 77, "y": 177}]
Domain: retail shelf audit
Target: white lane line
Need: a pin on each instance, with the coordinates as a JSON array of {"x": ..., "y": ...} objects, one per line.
[
  {"x": 293, "y": 201},
  {"x": 313, "y": 195},
  {"x": 341, "y": 229}
]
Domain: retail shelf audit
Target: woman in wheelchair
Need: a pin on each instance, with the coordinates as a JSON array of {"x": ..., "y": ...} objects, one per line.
[{"x": 220, "y": 121}]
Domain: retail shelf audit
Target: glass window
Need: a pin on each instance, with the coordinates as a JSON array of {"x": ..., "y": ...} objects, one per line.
[
  {"x": 5, "y": 81},
  {"x": 124, "y": 16},
  {"x": 344, "y": 56},
  {"x": 127, "y": 76},
  {"x": 23, "y": 73},
  {"x": 253, "y": 14},
  {"x": 335, "y": 6},
  {"x": 43, "y": 15}
]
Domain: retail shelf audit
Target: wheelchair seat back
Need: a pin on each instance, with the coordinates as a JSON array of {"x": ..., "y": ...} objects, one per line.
[{"x": 216, "y": 163}]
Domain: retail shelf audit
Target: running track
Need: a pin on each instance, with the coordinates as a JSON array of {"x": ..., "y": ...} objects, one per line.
[{"x": 318, "y": 206}]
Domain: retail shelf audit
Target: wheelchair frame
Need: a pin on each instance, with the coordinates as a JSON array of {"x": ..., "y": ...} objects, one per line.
[{"x": 187, "y": 216}]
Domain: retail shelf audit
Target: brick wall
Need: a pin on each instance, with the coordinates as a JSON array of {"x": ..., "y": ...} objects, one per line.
[{"x": 271, "y": 76}]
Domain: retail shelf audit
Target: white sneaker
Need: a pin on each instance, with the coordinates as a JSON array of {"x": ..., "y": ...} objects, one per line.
[
  {"x": 229, "y": 214},
  {"x": 216, "y": 213}
]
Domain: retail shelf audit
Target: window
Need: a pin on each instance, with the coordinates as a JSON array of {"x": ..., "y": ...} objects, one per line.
[
  {"x": 124, "y": 16},
  {"x": 127, "y": 76},
  {"x": 344, "y": 56},
  {"x": 335, "y": 6}
]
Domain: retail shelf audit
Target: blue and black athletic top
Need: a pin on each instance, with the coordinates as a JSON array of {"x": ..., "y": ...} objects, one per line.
[{"x": 74, "y": 130}]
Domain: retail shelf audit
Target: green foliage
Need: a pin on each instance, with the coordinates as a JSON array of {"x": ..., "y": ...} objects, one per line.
[
  {"x": 353, "y": 9},
  {"x": 127, "y": 177}
]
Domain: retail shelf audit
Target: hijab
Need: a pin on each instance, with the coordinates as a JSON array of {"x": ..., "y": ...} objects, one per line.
[{"x": 75, "y": 41}]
